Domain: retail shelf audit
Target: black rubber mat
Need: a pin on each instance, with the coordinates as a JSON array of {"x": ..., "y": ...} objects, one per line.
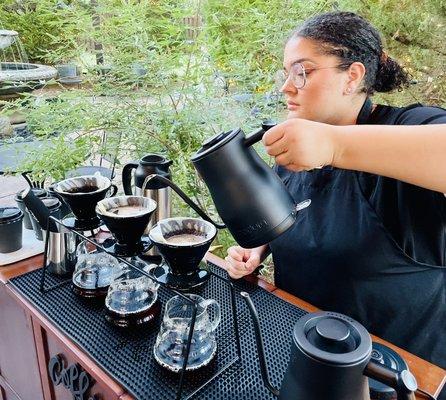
[{"x": 127, "y": 356}]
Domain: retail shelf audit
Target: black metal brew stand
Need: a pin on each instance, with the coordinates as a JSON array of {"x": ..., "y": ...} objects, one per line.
[{"x": 176, "y": 292}]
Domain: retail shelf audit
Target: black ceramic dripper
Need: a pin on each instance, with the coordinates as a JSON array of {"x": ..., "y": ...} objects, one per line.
[
  {"x": 82, "y": 193},
  {"x": 182, "y": 242},
  {"x": 194, "y": 239},
  {"x": 126, "y": 217}
]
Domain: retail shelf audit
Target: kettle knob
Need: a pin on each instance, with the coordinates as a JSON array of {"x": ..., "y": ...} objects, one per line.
[{"x": 333, "y": 330}]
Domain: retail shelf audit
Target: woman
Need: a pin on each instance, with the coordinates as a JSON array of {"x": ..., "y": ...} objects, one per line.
[{"x": 372, "y": 243}]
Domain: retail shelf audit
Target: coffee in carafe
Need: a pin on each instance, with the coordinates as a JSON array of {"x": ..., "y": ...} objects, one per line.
[
  {"x": 93, "y": 271},
  {"x": 132, "y": 298}
]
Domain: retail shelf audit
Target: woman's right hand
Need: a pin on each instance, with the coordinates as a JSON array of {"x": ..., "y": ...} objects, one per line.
[{"x": 242, "y": 261}]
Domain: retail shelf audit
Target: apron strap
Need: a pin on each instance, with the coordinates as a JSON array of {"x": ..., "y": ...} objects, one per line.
[{"x": 365, "y": 112}]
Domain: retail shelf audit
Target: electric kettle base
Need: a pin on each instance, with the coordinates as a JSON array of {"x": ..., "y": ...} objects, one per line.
[
  {"x": 132, "y": 320},
  {"x": 181, "y": 282}
]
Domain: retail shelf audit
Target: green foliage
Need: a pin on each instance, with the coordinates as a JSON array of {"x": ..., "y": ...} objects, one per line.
[
  {"x": 49, "y": 29},
  {"x": 159, "y": 91}
]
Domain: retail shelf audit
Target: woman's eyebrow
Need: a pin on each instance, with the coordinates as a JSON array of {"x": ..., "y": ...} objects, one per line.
[{"x": 298, "y": 61}]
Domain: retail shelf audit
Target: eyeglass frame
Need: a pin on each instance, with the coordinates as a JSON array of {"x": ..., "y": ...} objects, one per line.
[{"x": 287, "y": 76}]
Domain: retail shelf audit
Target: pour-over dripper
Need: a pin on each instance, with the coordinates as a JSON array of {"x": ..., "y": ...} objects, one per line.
[
  {"x": 82, "y": 193},
  {"x": 182, "y": 242},
  {"x": 126, "y": 217}
]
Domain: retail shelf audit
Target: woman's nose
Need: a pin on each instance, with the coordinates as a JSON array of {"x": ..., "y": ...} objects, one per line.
[{"x": 288, "y": 87}]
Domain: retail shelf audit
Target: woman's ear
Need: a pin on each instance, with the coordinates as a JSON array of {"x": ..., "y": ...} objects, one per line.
[{"x": 355, "y": 75}]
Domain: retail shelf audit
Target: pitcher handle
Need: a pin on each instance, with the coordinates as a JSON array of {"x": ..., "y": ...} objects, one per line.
[
  {"x": 112, "y": 191},
  {"x": 127, "y": 177},
  {"x": 183, "y": 195},
  {"x": 209, "y": 302}
]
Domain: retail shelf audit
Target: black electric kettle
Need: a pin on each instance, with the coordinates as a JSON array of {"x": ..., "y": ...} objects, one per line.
[
  {"x": 331, "y": 359},
  {"x": 250, "y": 198}
]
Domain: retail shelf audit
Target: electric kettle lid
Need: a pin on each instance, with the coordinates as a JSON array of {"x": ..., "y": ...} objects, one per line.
[
  {"x": 213, "y": 143},
  {"x": 332, "y": 338}
]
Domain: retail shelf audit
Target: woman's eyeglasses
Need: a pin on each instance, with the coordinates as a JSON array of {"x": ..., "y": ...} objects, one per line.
[{"x": 298, "y": 74}]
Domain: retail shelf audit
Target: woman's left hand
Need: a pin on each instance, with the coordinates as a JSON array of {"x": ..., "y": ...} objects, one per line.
[{"x": 299, "y": 144}]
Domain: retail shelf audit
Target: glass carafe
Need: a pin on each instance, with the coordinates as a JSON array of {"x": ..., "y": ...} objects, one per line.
[
  {"x": 171, "y": 342},
  {"x": 132, "y": 297},
  {"x": 93, "y": 271}
]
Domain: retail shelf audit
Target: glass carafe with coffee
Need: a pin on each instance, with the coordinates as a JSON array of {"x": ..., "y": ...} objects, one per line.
[
  {"x": 173, "y": 336},
  {"x": 93, "y": 272},
  {"x": 82, "y": 193},
  {"x": 132, "y": 297},
  {"x": 182, "y": 242},
  {"x": 126, "y": 217}
]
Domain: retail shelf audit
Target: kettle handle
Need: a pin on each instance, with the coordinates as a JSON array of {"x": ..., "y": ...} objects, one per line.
[
  {"x": 127, "y": 177},
  {"x": 257, "y": 135},
  {"x": 403, "y": 382},
  {"x": 39, "y": 210},
  {"x": 183, "y": 195}
]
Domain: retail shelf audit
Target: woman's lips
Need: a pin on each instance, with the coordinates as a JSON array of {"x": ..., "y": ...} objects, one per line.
[{"x": 292, "y": 106}]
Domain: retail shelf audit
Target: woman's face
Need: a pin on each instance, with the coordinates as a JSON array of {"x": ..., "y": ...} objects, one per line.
[{"x": 322, "y": 99}]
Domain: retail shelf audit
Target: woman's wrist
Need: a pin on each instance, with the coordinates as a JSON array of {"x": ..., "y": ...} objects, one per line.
[{"x": 334, "y": 136}]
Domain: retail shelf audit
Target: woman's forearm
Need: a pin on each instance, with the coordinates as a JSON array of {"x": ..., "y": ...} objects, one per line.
[{"x": 413, "y": 154}]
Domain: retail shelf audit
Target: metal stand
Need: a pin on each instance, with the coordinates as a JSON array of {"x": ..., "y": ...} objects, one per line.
[{"x": 192, "y": 302}]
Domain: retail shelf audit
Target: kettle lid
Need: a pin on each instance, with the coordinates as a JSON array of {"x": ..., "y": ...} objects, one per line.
[
  {"x": 333, "y": 338},
  {"x": 215, "y": 142}
]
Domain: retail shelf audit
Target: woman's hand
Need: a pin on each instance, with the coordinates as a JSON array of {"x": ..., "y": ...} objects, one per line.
[
  {"x": 299, "y": 144},
  {"x": 242, "y": 261}
]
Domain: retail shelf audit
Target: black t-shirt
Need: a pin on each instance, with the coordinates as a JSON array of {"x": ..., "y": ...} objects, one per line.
[{"x": 415, "y": 217}]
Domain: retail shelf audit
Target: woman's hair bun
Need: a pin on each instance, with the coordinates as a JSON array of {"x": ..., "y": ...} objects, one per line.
[{"x": 390, "y": 75}]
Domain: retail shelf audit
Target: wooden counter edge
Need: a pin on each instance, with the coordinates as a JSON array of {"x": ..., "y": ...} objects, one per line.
[{"x": 19, "y": 268}]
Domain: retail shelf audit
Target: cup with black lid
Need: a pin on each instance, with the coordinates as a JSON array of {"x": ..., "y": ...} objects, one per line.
[{"x": 11, "y": 229}]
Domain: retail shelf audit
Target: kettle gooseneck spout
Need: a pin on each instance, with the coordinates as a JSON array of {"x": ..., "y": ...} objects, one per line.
[
  {"x": 187, "y": 200},
  {"x": 260, "y": 346}
]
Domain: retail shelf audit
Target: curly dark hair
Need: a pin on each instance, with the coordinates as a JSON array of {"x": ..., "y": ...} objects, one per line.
[{"x": 352, "y": 38}]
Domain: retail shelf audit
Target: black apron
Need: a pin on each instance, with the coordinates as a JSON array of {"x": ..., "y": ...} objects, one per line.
[{"x": 340, "y": 257}]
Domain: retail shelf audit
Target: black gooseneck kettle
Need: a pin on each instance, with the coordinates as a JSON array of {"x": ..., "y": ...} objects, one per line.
[
  {"x": 250, "y": 198},
  {"x": 330, "y": 359}
]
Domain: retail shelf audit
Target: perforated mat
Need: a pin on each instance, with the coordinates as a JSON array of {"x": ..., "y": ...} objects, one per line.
[{"x": 127, "y": 356}]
